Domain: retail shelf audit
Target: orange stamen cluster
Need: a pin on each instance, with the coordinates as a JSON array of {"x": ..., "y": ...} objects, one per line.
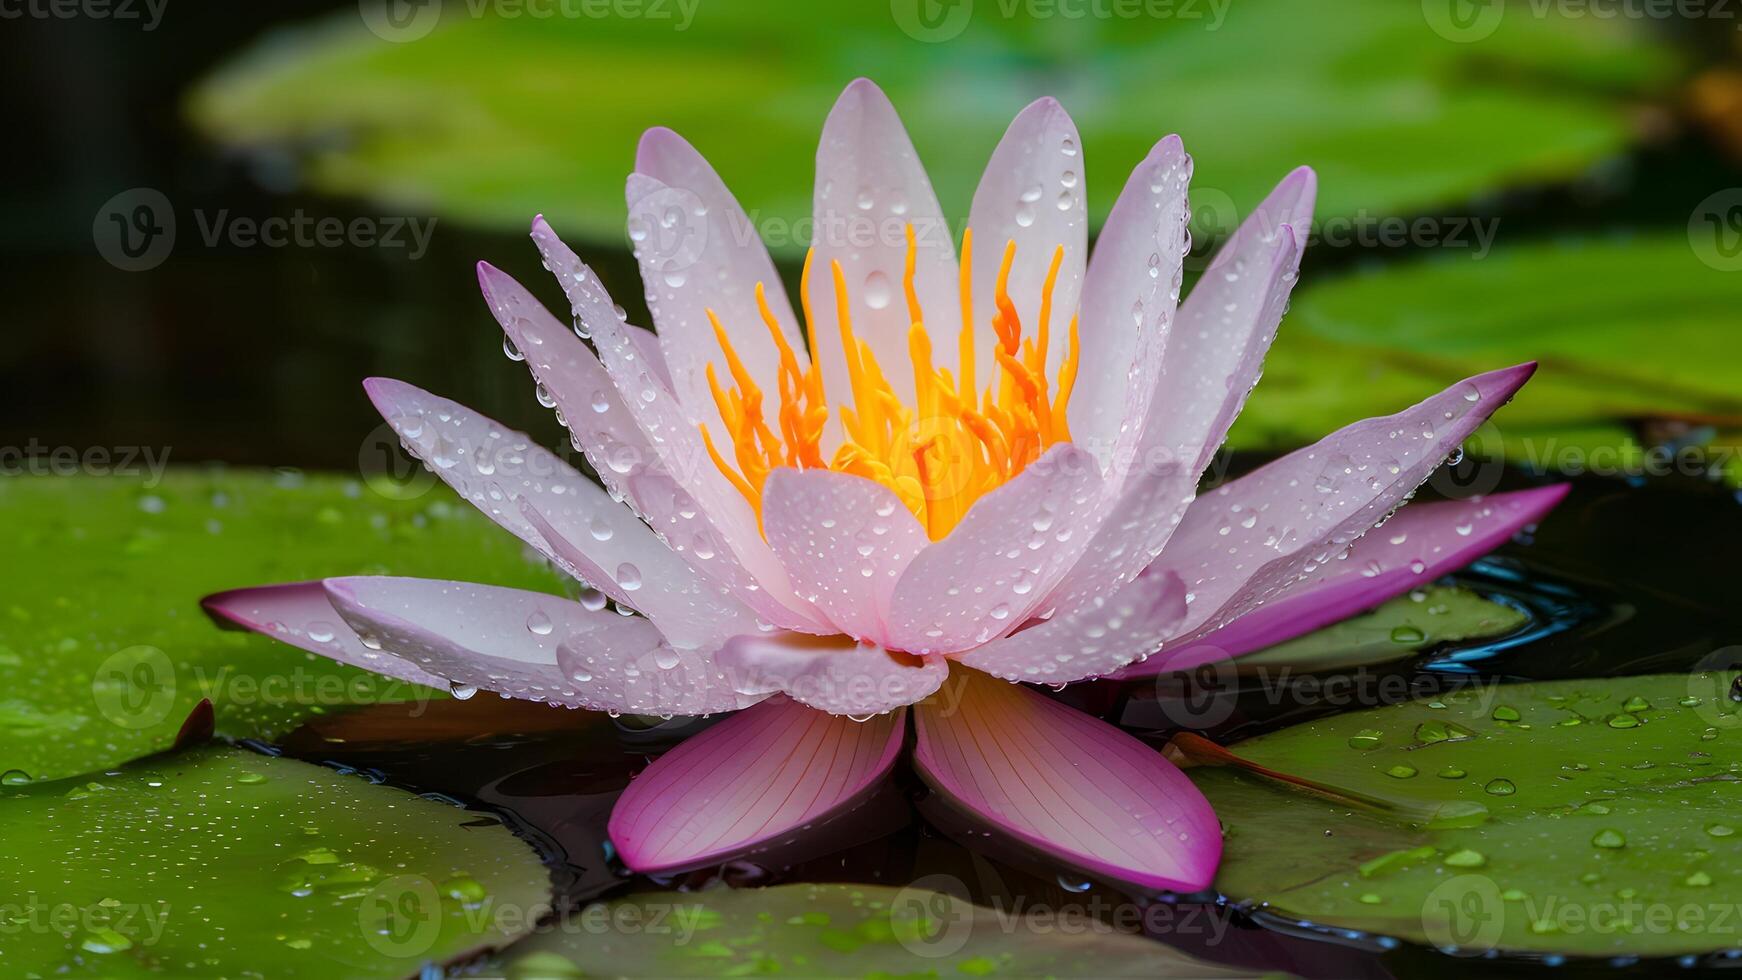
[{"x": 940, "y": 455}]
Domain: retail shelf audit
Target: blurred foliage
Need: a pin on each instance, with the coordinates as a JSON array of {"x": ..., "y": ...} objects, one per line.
[
  {"x": 104, "y": 649},
  {"x": 1628, "y": 329},
  {"x": 492, "y": 119}
]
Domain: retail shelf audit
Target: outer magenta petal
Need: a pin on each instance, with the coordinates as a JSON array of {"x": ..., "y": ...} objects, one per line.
[
  {"x": 1014, "y": 545},
  {"x": 1422, "y": 542},
  {"x": 1068, "y": 784},
  {"x": 1244, "y": 541},
  {"x": 532, "y": 645},
  {"x": 831, "y": 674},
  {"x": 750, "y": 782},
  {"x": 299, "y": 614},
  {"x": 845, "y": 541},
  {"x": 1094, "y": 641}
]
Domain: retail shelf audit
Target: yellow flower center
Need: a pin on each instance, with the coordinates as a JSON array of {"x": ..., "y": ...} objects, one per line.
[{"x": 939, "y": 455}]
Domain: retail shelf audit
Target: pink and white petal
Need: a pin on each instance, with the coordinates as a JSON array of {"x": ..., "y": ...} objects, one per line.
[
  {"x": 1008, "y": 552},
  {"x": 698, "y": 251},
  {"x": 532, "y": 645},
  {"x": 1133, "y": 534},
  {"x": 870, "y": 184},
  {"x": 646, "y": 343},
  {"x": 1130, "y": 292},
  {"x": 608, "y": 434},
  {"x": 672, "y": 433},
  {"x": 1226, "y": 325},
  {"x": 1068, "y": 784},
  {"x": 1031, "y": 194},
  {"x": 1420, "y": 543},
  {"x": 830, "y": 673},
  {"x": 1093, "y": 642},
  {"x": 690, "y": 611},
  {"x": 844, "y": 541},
  {"x": 1246, "y": 540},
  {"x": 748, "y": 783},
  {"x": 298, "y": 613},
  {"x": 494, "y": 467}
]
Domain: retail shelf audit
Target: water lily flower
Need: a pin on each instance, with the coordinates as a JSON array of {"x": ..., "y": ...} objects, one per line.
[{"x": 981, "y": 470}]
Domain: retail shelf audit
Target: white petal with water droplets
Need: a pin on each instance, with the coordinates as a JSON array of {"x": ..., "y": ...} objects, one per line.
[
  {"x": 1092, "y": 642},
  {"x": 1007, "y": 554},
  {"x": 533, "y": 646},
  {"x": 831, "y": 673},
  {"x": 493, "y": 467},
  {"x": 1226, "y": 325},
  {"x": 607, "y": 432},
  {"x": 672, "y": 432},
  {"x": 870, "y": 185},
  {"x": 1245, "y": 540},
  {"x": 1032, "y": 193},
  {"x": 698, "y": 251},
  {"x": 1130, "y": 292},
  {"x": 845, "y": 540}
]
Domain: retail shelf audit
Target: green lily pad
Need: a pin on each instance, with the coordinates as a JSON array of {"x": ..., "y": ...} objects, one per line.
[
  {"x": 104, "y": 649},
  {"x": 220, "y": 862},
  {"x": 1625, "y": 328},
  {"x": 1398, "y": 628},
  {"x": 1591, "y": 817},
  {"x": 831, "y": 931},
  {"x": 491, "y": 118}
]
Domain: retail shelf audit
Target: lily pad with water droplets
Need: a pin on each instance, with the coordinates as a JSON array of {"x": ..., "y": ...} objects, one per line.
[
  {"x": 1589, "y": 818},
  {"x": 1396, "y": 629},
  {"x": 833, "y": 931},
  {"x": 104, "y": 649},
  {"x": 492, "y": 118},
  {"x": 1626, "y": 328},
  {"x": 220, "y": 862}
]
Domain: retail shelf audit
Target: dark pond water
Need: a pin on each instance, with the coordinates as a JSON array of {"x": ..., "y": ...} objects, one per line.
[{"x": 1625, "y": 578}]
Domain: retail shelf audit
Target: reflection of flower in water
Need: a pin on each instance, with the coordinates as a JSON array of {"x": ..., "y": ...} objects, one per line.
[{"x": 981, "y": 470}]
